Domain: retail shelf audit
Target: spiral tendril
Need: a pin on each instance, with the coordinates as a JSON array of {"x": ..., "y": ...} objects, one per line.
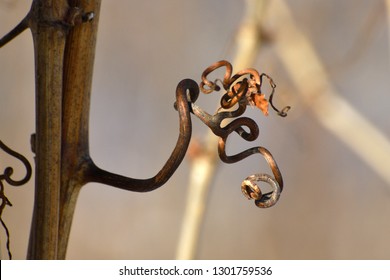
[
  {"x": 242, "y": 89},
  {"x": 6, "y": 176}
]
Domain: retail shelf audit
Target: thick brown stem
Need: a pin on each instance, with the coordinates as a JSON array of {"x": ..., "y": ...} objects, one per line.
[
  {"x": 78, "y": 69},
  {"x": 49, "y": 43}
]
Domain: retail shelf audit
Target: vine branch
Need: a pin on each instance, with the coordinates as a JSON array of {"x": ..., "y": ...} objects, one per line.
[{"x": 16, "y": 31}]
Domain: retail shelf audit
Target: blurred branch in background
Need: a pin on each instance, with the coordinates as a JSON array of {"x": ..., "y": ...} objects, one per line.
[
  {"x": 204, "y": 163},
  {"x": 249, "y": 37},
  {"x": 332, "y": 111},
  {"x": 203, "y": 157}
]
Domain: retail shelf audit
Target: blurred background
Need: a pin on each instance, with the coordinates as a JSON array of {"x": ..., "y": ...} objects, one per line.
[{"x": 330, "y": 62}]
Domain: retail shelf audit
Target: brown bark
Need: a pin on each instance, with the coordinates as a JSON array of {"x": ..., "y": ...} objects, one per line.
[{"x": 64, "y": 43}]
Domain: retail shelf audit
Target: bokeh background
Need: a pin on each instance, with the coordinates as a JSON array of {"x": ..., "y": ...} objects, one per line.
[{"x": 335, "y": 205}]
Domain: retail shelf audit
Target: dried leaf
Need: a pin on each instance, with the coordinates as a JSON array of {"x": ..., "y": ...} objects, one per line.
[{"x": 260, "y": 102}]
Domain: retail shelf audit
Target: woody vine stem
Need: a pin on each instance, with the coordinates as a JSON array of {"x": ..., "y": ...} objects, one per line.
[{"x": 64, "y": 35}]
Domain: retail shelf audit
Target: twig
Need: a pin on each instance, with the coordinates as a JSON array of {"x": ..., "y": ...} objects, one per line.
[{"x": 23, "y": 25}]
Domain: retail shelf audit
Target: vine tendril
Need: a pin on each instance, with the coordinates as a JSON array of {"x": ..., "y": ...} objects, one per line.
[
  {"x": 6, "y": 176},
  {"x": 242, "y": 89}
]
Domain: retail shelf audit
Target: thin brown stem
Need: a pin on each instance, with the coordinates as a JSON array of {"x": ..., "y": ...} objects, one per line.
[
  {"x": 79, "y": 58},
  {"x": 145, "y": 185},
  {"x": 16, "y": 31}
]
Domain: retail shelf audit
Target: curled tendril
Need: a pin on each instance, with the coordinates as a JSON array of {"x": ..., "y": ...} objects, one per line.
[
  {"x": 242, "y": 89},
  {"x": 7, "y": 178},
  {"x": 237, "y": 86},
  {"x": 252, "y": 191},
  {"x": 8, "y": 171}
]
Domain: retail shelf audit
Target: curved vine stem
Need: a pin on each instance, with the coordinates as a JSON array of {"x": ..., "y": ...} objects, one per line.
[{"x": 182, "y": 105}]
